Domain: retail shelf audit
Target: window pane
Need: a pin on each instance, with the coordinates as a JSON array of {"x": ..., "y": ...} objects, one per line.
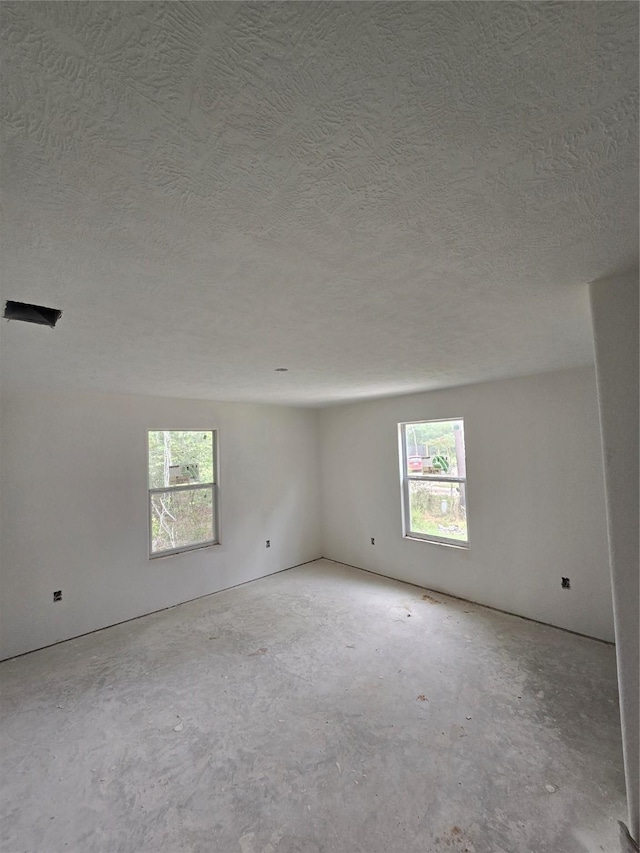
[
  {"x": 438, "y": 509},
  {"x": 180, "y": 457},
  {"x": 435, "y": 447},
  {"x": 181, "y": 518}
]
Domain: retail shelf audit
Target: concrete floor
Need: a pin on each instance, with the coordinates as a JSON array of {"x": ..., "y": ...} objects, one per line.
[{"x": 321, "y": 709}]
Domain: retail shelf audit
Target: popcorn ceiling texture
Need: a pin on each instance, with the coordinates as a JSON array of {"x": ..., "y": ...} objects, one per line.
[{"x": 381, "y": 197}]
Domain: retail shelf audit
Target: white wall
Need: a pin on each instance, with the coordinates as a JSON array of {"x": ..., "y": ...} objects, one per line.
[
  {"x": 614, "y": 306},
  {"x": 74, "y": 503},
  {"x": 74, "y": 508},
  {"x": 535, "y": 497}
]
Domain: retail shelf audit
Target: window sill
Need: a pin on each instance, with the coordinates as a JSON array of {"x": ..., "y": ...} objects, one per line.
[
  {"x": 177, "y": 551},
  {"x": 459, "y": 546}
]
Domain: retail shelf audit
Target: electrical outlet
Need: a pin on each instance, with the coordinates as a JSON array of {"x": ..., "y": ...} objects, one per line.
[
  {"x": 57, "y": 595},
  {"x": 566, "y": 583},
  {"x": 268, "y": 545},
  {"x": 373, "y": 541}
]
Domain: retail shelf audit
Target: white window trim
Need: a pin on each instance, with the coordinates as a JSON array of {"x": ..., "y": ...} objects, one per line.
[
  {"x": 406, "y": 478},
  {"x": 155, "y": 555}
]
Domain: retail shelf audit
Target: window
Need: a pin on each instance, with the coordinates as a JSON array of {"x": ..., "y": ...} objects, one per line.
[
  {"x": 434, "y": 484},
  {"x": 182, "y": 491}
]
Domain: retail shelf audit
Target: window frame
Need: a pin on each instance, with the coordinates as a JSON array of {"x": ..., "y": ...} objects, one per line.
[
  {"x": 213, "y": 486},
  {"x": 406, "y": 478}
]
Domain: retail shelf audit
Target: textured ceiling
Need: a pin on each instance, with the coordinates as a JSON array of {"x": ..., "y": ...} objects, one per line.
[{"x": 381, "y": 197}]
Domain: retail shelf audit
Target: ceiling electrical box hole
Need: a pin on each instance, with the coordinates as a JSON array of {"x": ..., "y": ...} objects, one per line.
[{"x": 31, "y": 313}]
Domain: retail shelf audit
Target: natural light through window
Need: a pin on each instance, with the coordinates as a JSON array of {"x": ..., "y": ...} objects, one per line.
[
  {"x": 434, "y": 481},
  {"x": 182, "y": 491}
]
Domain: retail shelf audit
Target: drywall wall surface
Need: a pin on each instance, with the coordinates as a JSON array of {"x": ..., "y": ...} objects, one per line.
[
  {"x": 614, "y": 307},
  {"x": 74, "y": 501},
  {"x": 535, "y": 497}
]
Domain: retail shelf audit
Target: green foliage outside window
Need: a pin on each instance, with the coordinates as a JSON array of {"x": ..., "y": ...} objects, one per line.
[{"x": 182, "y": 500}]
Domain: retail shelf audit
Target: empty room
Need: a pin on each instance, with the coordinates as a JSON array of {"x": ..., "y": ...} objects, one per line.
[{"x": 319, "y": 427}]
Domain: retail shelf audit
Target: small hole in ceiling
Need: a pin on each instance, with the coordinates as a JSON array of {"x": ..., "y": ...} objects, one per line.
[
  {"x": 31, "y": 313},
  {"x": 281, "y": 370}
]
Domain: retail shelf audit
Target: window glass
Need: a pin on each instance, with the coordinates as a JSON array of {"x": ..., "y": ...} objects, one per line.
[
  {"x": 182, "y": 490},
  {"x": 180, "y": 457},
  {"x": 434, "y": 481}
]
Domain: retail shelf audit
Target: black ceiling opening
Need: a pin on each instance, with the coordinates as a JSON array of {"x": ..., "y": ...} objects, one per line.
[{"x": 32, "y": 313}]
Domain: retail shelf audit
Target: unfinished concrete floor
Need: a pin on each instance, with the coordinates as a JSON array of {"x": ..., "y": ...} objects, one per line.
[{"x": 320, "y": 709}]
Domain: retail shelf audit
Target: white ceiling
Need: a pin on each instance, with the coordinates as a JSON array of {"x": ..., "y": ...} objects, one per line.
[{"x": 381, "y": 197}]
